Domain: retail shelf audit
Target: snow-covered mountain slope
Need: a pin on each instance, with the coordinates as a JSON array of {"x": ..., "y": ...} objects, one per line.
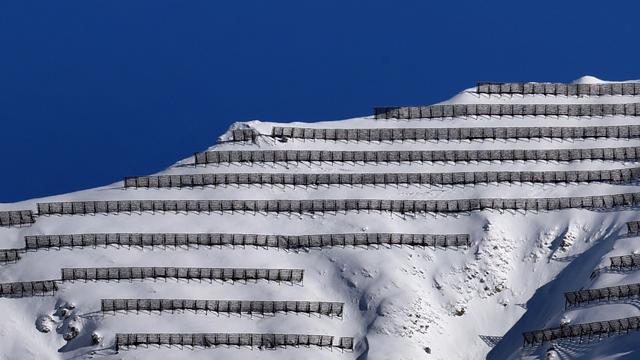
[{"x": 399, "y": 300}]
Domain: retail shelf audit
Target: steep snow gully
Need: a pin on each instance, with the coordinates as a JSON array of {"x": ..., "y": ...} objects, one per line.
[{"x": 499, "y": 224}]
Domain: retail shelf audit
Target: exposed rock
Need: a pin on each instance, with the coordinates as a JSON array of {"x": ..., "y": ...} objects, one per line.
[
  {"x": 71, "y": 333},
  {"x": 45, "y": 323},
  {"x": 96, "y": 338}
]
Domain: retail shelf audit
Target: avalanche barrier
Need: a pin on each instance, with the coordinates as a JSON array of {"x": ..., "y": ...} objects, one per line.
[
  {"x": 597, "y": 202},
  {"x": 467, "y": 133},
  {"x": 9, "y": 255},
  {"x": 261, "y": 341},
  {"x": 244, "y": 134},
  {"x": 590, "y": 330},
  {"x": 189, "y": 273},
  {"x": 615, "y": 176},
  {"x": 633, "y": 228},
  {"x": 628, "y": 89},
  {"x": 16, "y": 218},
  {"x": 36, "y": 242},
  {"x": 281, "y": 156},
  {"x": 458, "y": 110},
  {"x": 619, "y": 292},
  {"x": 28, "y": 288},
  {"x": 224, "y": 306},
  {"x": 625, "y": 262}
]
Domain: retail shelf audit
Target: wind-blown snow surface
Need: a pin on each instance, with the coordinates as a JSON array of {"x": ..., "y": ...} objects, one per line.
[{"x": 400, "y": 302}]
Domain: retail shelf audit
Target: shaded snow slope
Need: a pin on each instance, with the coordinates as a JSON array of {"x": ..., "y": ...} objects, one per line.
[{"x": 399, "y": 302}]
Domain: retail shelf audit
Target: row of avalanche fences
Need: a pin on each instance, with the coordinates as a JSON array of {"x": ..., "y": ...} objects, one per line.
[
  {"x": 223, "y": 306},
  {"x": 124, "y": 341},
  {"x": 285, "y": 156},
  {"x": 428, "y": 134},
  {"x": 285, "y": 242},
  {"x": 598, "y": 296},
  {"x": 263, "y": 341},
  {"x": 596, "y": 202},
  {"x": 444, "y": 111},
  {"x": 616, "y": 176}
]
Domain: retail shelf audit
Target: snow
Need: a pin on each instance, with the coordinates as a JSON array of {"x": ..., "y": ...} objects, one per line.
[
  {"x": 588, "y": 80},
  {"x": 460, "y": 304}
]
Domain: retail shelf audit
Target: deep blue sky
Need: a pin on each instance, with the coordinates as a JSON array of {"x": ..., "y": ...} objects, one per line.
[{"x": 91, "y": 91}]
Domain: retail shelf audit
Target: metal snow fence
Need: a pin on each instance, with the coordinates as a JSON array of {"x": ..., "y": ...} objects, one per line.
[
  {"x": 224, "y": 306},
  {"x": 606, "y": 294},
  {"x": 629, "y": 89},
  {"x": 289, "y": 242},
  {"x": 16, "y": 218},
  {"x": 9, "y": 255},
  {"x": 28, "y": 288},
  {"x": 271, "y": 156},
  {"x": 247, "y": 134},
  {"x": 440, "y": 111},
  {"x": 451, "y": 178},
  {"x": 633, "y": 228},
  {"x": 580, "y": 331},
  {"x": 253, "y": 340},
  {"x": 625, "y": 262},
  {"x": 189, "y": 273},
  {"x": 403, "y": 134},
  {"x": 599, "y": 202}
]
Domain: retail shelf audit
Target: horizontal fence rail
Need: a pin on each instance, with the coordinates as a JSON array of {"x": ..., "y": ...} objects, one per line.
[
  {"x": 633, "y": 227},
  {"x": 224, "y": 274},
  {"x": 445, "y": 178},
  {"x": 589, "y": 330},
  {"x": 619, "y": 292},
  {"x": 16, "y": 218},
  {"x": 278, "y": 156},
  {"x": 468, "y": 133},
  {"x": 259, "y": 240},
  {"x": 625, "y": 261},
  {"x": 28, "y": 288},
  {"x": 458, "y": 110},
  {"x": 224, "y": 306},
  {"x": 629, "y": 88},
  {"x": 266, "y": 341},
  {"x": 599, "y": 202}
]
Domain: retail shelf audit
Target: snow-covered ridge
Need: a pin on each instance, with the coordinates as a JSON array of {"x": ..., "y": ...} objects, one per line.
[{"x": 411, "y": 281}]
